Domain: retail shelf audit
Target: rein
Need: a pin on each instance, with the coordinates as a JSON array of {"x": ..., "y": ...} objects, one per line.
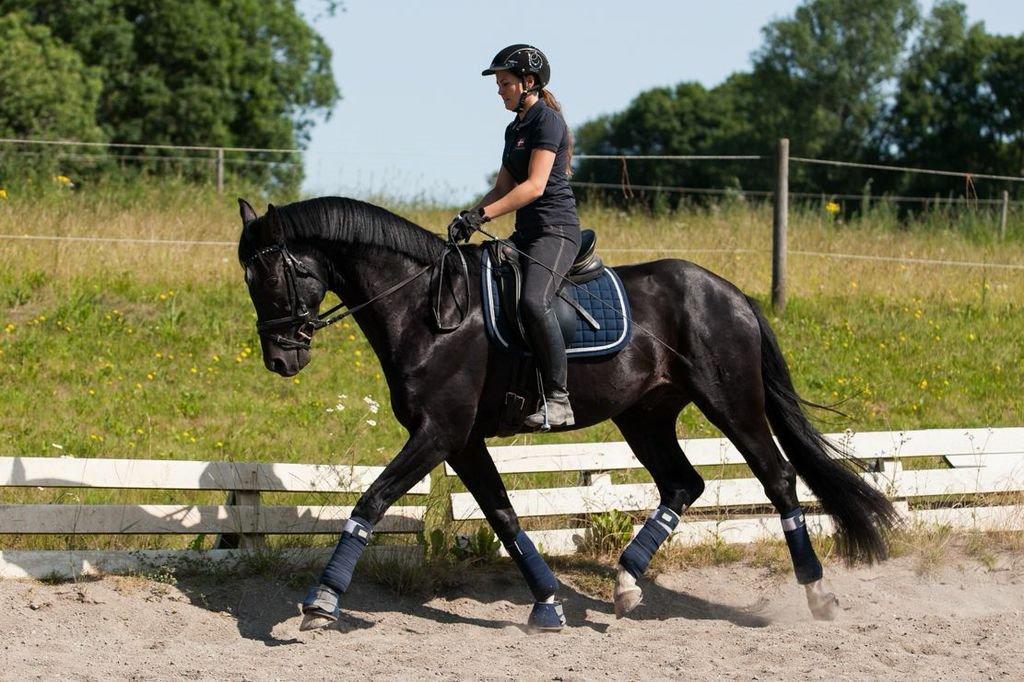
[{"x": 307, "y": 322}]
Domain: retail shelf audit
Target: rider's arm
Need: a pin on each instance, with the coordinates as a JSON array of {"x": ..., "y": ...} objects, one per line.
[
  {"x": 541, "y": 162},
  {"x": 502, "y": 186}
]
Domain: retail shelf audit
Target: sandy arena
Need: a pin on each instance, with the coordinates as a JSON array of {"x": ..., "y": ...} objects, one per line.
[{"x": 962, "y": 620}]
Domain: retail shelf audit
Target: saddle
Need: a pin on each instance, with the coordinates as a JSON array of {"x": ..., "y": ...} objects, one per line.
[{"x": 591, "y": 308}]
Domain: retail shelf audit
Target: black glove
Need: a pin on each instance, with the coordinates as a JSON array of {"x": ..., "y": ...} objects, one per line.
[{"x": 465, "y": 224}]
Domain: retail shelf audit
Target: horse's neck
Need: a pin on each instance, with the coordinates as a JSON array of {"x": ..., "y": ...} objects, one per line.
[{"x": 384, "y": 321}]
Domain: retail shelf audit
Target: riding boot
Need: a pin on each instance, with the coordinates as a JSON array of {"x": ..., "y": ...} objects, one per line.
[
  {"x": 548, "y": 346},
  {"x": 557, "y": 409}
]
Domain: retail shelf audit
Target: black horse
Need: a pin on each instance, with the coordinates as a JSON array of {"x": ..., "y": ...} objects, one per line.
[{"x": 702, "y": 341}]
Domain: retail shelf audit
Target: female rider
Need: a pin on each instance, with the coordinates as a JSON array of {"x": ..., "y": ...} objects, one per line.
[{"x": 534, "y": 182}]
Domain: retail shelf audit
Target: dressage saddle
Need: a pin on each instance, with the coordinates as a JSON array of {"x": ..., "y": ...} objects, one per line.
[{"x": 586, "y": 267}]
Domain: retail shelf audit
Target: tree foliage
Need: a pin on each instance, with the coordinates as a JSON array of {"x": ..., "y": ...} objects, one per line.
[
  {"x": 46, "y": 90},
  {"x": 868, "y": 81},
  {"x": 246, "y": 73}
]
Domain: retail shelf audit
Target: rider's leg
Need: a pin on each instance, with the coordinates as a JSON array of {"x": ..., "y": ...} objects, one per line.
[{"x": 556, "y": 253}]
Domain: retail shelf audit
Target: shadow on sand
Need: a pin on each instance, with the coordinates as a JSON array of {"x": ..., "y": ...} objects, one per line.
[{"x": 261, "y": 606}]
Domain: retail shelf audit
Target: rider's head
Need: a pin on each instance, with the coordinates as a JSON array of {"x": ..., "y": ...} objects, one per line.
[{"x": 521, "y": 71}]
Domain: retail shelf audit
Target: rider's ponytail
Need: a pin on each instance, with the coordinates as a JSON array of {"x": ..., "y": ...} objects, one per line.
[{"x": 549, "y": 99}]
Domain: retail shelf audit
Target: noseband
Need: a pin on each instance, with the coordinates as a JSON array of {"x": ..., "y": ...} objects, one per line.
[{"x": 306, "y": 322}]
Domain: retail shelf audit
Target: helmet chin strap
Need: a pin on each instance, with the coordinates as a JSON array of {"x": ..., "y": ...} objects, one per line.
[{"x": 523, "y": 95}]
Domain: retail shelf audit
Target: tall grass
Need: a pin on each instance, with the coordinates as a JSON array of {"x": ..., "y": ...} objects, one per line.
[{"x": 149, "y": 350}]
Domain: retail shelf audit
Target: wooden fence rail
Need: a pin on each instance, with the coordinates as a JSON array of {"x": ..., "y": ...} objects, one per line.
[
  {"x": 242, "y": 522},
  {"x": 964, "y": 465},
  {"x": 971, "y": 478}
]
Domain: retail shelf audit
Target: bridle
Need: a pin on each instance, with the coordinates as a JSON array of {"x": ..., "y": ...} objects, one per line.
[{"x": 306, "y": 322}]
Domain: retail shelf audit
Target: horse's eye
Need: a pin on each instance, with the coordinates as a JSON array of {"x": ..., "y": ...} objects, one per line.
[{"x": 273, "y": 280}]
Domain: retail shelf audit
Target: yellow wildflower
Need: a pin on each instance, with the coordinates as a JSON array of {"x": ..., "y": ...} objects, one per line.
[
  {"x": 63, "y": 180},
  {"x": 3, "y": 193},
  {"x": 832, "y": 207}
]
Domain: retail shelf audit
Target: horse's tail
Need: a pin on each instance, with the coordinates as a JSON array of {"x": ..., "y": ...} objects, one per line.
[{"x": 861, "y": 513}]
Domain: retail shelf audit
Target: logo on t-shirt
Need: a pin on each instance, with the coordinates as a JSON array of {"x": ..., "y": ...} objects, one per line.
[{"x": 520, "y": 143}]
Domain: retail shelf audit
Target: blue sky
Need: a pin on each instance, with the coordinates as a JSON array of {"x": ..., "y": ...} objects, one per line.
[{"x": 416, "y": 119}]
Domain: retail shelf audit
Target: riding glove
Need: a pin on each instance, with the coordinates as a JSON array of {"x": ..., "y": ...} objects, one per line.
[{"x": 465, "y": 224}]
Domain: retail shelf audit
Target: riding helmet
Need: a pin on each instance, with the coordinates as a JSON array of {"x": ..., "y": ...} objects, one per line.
[{"x": 521, "y": 60}]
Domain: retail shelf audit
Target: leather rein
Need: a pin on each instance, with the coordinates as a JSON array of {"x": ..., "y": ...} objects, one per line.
[{"x": 306, "y": 322}]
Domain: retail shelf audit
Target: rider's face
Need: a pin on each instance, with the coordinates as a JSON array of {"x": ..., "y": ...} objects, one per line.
[{"x": 510, "y": 88}]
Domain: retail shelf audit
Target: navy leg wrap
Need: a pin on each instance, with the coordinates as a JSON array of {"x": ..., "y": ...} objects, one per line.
[
  {"x": 539, "y": 577},
  {"x": 338, "y": 572},
  {"x": 805, "y": 561},
  {"x": 637, "y": 555}
]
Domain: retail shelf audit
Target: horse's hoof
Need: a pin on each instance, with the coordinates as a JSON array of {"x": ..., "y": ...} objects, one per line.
[
  {"x": 627, "y": 595},
  {"x": 824, "y": 605},
  {"x": 315, "y": 621},
  {"x": 319, "y": 608},
  {"x": 626, "y": 600},
  {"x": 546, "y": 617}
]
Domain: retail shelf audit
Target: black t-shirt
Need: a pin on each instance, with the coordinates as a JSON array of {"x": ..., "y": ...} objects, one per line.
[{"x": 542, "y": 128}]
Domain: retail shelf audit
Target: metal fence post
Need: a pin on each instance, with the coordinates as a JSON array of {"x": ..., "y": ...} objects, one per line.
[
  {"x": 779, "y": 227},
  {"x": 220, "y": 170},
  {"x": 1002, "y": 218}
]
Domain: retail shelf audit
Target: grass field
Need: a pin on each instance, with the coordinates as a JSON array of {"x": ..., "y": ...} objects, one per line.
[{"x": 149, "y": 350}]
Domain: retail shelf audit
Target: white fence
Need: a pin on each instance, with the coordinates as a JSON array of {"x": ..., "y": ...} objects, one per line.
[
  {"x": 976, "y": 465},
  {"x": 974, "y": 478},
  {"x": 243, "y": 521}
]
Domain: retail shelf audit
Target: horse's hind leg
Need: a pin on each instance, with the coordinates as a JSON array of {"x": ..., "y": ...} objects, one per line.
[
  {"x": 651, "y": 435},
  {"x": 738, "y": 410},
  {"x": 476, "y": 469}
]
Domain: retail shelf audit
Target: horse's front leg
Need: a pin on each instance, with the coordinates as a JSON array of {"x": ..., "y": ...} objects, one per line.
[
  {"x": 476, "y": 469},
  {"x": 421, "y": 453}
]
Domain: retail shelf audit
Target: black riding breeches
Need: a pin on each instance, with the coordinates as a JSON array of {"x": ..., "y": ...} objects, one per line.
[{"x": 539, "y": 288}]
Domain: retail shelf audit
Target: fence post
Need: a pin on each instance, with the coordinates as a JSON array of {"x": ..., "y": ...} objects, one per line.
[
  {"x": 779, "y": 227},
  {"x": 244, "y": 498},
  {"x": 1002, "y": 218},
  {"x": 220, "y": 171}
]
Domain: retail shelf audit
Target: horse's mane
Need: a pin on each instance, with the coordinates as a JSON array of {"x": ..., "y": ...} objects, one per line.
[{"x": 350, "y": 222}]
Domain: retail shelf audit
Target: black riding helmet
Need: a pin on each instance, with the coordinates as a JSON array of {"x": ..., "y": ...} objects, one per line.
[{"x": 522, "y": 59}]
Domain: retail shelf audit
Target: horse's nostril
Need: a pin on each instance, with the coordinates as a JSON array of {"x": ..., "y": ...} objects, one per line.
[{"x": 277, "y": 365}]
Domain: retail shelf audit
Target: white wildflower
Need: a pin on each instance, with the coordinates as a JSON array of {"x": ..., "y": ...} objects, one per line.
[{"x": 371, "y": 422}]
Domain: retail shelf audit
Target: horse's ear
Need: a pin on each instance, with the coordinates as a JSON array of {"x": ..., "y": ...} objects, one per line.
[
  {"x": 247, "y": 212},
  {"x": 272, "y": 232}
]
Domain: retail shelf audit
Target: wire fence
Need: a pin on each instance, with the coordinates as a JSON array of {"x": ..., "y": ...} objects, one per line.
[
  {"x": 650, "y": 250},
  {"x": 217, "y": 158},
  {"x": 780, "y": 193}
]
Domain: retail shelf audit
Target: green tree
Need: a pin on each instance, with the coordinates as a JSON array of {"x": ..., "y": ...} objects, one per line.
[
  {"x": 1006, "y": 81},
  {"x": 219, "y": 73},
  {"x": 959, "y": 104},
  {"x": 45, "y": 89},
  {"x": 821, "y": 78},
  {"x": 823, "y": 74},
  {"x": 686, "y": 119}
]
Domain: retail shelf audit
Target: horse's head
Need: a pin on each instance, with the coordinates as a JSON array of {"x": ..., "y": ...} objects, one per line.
[{"x": 286, "y": 288}]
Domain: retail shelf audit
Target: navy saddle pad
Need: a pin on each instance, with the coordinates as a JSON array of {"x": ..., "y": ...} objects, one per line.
[{"x": 604, "y": 298}]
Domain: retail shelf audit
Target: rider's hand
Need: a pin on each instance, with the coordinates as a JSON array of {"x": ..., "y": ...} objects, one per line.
[{"x": 465, "y": 224}]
